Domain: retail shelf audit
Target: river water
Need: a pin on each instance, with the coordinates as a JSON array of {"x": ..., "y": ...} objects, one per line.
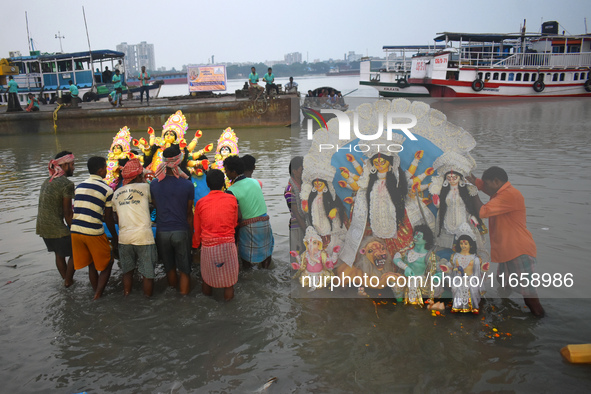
[{"x": 58, "y": 340}]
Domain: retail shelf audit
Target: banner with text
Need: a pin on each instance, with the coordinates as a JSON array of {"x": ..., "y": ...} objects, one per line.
[{"x": 206, "y": 78}]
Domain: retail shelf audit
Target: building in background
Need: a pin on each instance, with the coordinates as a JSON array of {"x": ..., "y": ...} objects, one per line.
[
  {"x": 294, "y": 57},
  {"x": 353, "y": 57},
  {"x": 138, "y": 55}
]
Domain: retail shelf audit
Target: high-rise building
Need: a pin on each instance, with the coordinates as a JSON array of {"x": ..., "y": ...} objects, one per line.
[
  {"x": 137, "y": 56},
  {"x": 294, "y": 57},
  {"x": 145, "y": 56}
]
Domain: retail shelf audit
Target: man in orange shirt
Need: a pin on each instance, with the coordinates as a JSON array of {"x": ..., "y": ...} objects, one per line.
[
  {"x": 216, "y": 217},
  {"x": 512, "y": 245}
]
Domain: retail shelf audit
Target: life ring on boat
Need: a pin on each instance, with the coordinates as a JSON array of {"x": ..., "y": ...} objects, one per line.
[
  {"x": 588, "y": 85},
  {"x": 539, "y": 86},
  {"x": 477, "y": 85},
  {"x": 403, "y": 83}
]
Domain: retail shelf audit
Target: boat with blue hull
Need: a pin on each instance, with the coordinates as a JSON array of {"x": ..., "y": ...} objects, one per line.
[{"x": 47, "y": 75}]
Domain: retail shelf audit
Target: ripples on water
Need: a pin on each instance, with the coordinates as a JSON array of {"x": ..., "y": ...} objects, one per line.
[{"x": 58, "y": 340}]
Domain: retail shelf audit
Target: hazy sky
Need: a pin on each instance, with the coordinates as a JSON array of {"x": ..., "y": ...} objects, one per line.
[{"x": 187, "y": 32}]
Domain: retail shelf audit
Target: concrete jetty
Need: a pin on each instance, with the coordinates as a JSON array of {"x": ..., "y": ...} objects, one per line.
[{"x": 204, "y": 113}]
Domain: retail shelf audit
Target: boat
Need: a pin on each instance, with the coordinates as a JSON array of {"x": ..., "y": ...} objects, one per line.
[
  {"x": 341, "y": 71},
  {"x": 48, "y": 75},
  {"x": 545, "y": 64},
  {"x": 313, "y": 105},
  {"x": 172, "y": 78},
  {"x": 390, "y": 76}
]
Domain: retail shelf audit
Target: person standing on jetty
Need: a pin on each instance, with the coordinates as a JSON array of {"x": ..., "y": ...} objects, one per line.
[
  {"x": 55, "y": 207},
  {"x": 512, "y": 245},
  {"x": 255, "y": 237},
  {"x": 137, "y": 248},
  {"x": 116, "y": 80},
  {"x": 173, "y": 195},
  {"x": 144, "y": 77},
  {"x": 90, "y": 246},
  {"x": 216, "y": 218},
  {"x": 13, "y": 104}
]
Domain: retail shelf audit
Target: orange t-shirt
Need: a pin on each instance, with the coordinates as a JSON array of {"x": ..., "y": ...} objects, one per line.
[
  {"x": 509, "y": 236},
  {"x": 216, "y": 217}
]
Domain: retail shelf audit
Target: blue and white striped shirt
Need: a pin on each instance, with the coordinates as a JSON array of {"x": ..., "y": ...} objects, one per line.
[{"x": 90, "y": 200}]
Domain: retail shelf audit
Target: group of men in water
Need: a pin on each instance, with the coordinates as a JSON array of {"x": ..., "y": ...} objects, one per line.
[{"x": 223, "y": 226}]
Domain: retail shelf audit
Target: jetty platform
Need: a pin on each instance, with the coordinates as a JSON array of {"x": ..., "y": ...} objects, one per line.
[{"x": 201, "y": 113}]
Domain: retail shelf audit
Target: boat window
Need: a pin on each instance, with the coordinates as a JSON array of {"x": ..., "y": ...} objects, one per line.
[
  {"x": 576, "y": 76},
  {"x": 582, "y": 75},
  {"x": 526, "y": 77},
  {"x": 47, "y": 67},
  {"x": 518, "y": 77},
  {"x": 495, "y": 76},
  {"x": 503, "y": 76},
  {"x": 555, "y": 77},
  {"x": 487, "y": 76},
  {"x": 511, "y": 77},
  {"x": 33, "y": 67},
  {"x": 479, "y": 75},
  {"x": 562, "y": 76}
]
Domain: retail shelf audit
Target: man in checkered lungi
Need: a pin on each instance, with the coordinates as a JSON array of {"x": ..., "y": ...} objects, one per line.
[
  {"x": 215, "y": 221},
  {"x": 255, "y": 237},
  {"x": 512, "y": 245}
]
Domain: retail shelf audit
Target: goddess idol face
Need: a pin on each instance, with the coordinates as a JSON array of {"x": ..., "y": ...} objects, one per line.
[
  {"x": 453, "y": 178},
  {"x": 169, "y": 137},
  {"x": 381, "y": 164},
  {"x": 319, "y": 185},
  {"x": 225, "y": 151}
]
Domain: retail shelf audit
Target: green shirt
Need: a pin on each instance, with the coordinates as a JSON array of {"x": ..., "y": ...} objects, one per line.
[
  {"x": 144, "y": 82},
  {"x": 50, "y": 215},
  {"x": 73, "y": 90},
  {"x": 250, "y": 198},
  {"x": 12, "y": 86},
  {"x": 253, "y": 78},
  {"x": 269, "y": 78},
  {"x": 117, "y": 81}
]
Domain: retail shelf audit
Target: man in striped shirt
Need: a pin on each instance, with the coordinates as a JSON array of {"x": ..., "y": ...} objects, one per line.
[{"x": 90, "y": 246}]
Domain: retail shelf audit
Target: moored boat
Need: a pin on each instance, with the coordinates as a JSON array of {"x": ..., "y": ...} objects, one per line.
[
  {"x": 47, "y": 75},
  {"x": 390, "y": 76},
  {"x": 506, "y": 65}
]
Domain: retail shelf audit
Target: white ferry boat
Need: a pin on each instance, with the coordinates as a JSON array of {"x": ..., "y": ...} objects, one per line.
[
  {"x": 506, "y": 65},
  {"x": 390, "y": 76}
]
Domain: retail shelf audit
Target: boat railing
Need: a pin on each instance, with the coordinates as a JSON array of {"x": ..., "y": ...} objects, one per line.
[
  {"x": 552, "y": 60},
  {"x": 480, "y": 58}
]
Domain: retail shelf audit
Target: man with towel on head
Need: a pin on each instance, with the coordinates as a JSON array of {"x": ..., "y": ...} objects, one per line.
[
  {"x": 173, "y": 195},
  {"x": 55, "y": 207},
  {"x": 137, "y": 249}
]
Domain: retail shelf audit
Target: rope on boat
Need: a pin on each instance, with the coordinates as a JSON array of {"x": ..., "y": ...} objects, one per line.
[{"x": 55, "y": 117}]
